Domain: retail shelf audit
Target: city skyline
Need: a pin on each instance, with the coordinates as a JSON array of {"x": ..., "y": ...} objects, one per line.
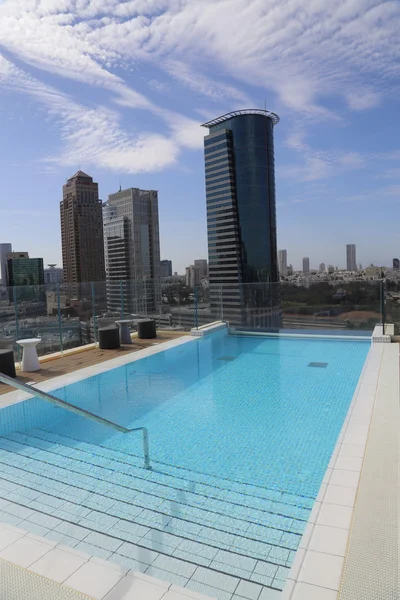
[{"x": 127, "y": 109}]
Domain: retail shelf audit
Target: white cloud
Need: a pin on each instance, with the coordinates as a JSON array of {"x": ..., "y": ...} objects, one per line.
[
  {"x": 301, "y": 51},
  {"x": 363, "y": 99},
  {"x": 92, "y": 136}
]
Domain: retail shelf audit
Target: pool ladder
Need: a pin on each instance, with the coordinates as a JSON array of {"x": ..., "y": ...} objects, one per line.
[{"x": 80, "y": 411}]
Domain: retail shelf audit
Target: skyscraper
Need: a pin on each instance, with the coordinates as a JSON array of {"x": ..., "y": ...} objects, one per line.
[
  {"x": 322, "y": 268},
  {"x": 306, "y": 264},
  {"x": 25, "y": 275},
  {"x": 396, "y": 264},
  {"x": 282, "y": 261},
  {"x": 351, "y": 257},
  {"x": 4, "y": 250},
  {"x": 82, "y": 231},
  {"x": 192, "y": 276},
  {"x": 241, "y": 218},
  {"x": 201, "y": 264},
  {"x": 165, "y": 268},
  {"x": 132, "y": 251}
]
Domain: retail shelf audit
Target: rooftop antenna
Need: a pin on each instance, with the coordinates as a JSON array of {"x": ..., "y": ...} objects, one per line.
[{"x": 120, "y": 189}]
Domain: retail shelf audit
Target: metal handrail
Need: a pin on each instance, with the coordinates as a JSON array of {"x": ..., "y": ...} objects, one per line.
[{"x": 80, "y": 411}]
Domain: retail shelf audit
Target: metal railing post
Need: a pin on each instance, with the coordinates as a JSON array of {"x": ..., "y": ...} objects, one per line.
[
  {"x": 59, "y": 318},
  {"x": 94, "y": 315},
  {"x": 16, "y": 322},
  {"x": 196, "y": 306},
  {"x": 383, "y": 305},
  {"x": 122, "y": 298}
]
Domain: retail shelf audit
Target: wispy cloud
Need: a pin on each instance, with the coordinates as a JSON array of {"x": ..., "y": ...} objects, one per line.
[{"x": 299, "y": 56}]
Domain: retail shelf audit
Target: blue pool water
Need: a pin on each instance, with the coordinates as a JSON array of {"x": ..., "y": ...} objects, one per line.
[{"x": 244, "y": 408}]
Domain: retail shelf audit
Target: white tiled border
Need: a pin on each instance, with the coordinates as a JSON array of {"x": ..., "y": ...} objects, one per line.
[
  {"x": 317, "y": 567},
  {"x": 316, "y": 570},
  {"x": 95, "y": 577},
  {"x": 56, "y": 382}
]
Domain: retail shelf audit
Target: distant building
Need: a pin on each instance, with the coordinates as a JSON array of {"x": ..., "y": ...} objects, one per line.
[
  {"x": 306, "y": 264},
  {"x": 331, "y": 269},
  {"x": 25, "y": 275},
  {"x": 322, "y": 268},
  {"x": 132, "y": 251},
  {"x": 351, "y": 257},
  {"x": 53, "y": 275},
  {"x": 201, "y": 264},
  {"x": 4, "y": 250},
  {"x": 282, "y": 261},
  {"x": 165, "y": 269},
  {"x": 290, "y": 269},
  {"x": 192, "y": 276},
  {"x": 241, "y": 216},
  {"x": 82, "y": 231},
  {"x": 396, "y": 264}
]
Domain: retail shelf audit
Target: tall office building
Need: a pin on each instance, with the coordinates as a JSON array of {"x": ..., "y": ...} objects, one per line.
[
  {"x": 201, "y": 264},
  {"x": 282, "y": 261},
  {"x": 351, "y": 257},
  {"x": 53, "y": 275},
  {"x": 193, "y": 277},
  {"x": 165, "y": 269},
  {"x": 396, "y": 264},
  {"x": 4, "y": 250},
  {"x": 25, "y": 275},
  {"x": 132, "y": 251},
  {"x": 82, "y": 231},
  {"x": 241, "y": 217},
  {"x": 306, "y": 264},
  {"x": 322, "y": 268}
]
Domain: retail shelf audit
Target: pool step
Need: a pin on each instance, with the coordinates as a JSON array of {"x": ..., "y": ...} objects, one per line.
[
  {"x": 119, "y": 509},
  {"x": 194, "y": 506},
  {"x": 189, "y": 479},
  {"x": 171, "y": 517}
]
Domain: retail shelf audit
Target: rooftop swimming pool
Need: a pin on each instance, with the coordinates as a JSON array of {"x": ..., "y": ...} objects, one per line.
[{"x": 241, "y": 432}]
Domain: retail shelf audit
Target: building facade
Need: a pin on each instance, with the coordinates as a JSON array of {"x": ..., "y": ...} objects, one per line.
[
  {"x": 5, "y": 249},
  {"x": 322, "y": 268},
  {"x": 53, "y": 275},
  {"x": 202, "y": 265},
  {"x": 82, "y": 232},
  {"x": 282, "y": 261},
  {"x": 351, "y": 257},
  {"x": 165, "y": 269},
  {"x": 25, "y": 278},
  {"x": 396, "y": 264},
  {"x": 306, "y": 264},
  {"x": 193, "y": 276},
  {"x": 241, "y": 216},
  {"x": 132, "y": 251}
]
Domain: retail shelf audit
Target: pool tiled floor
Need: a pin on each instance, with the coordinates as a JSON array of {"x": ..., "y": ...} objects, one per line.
[{"x": 173, "y": 524}]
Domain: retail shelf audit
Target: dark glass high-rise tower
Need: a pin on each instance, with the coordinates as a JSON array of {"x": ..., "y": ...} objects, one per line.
[{"x": 241, "y": 215}]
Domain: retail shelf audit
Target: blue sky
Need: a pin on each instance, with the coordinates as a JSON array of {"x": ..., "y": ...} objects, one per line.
[{"x": 120, "y": 89}]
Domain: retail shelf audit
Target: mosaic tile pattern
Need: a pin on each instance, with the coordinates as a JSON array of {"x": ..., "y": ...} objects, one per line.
[{"x": 223, "y": 520}]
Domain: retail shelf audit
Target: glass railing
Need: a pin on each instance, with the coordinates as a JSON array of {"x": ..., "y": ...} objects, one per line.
[
  {"x": 66, "y": 316},
  {"x": 351, "y": 305}
]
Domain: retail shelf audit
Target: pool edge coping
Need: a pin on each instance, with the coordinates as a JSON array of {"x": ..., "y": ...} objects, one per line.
[
  {"x": 68, "y": 378},
  {"x": 313, "y": 569}
]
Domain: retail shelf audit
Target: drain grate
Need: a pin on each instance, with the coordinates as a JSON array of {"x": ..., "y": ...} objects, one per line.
[
  {"x": 227, "y": 358},
  {"x": 318, "y": 364}
]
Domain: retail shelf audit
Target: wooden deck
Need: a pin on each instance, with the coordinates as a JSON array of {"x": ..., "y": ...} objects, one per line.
[{"x": 73, "y": 362}]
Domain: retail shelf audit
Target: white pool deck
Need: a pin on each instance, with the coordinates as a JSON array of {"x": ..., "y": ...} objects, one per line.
[{"x": 317, "y": 571}]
